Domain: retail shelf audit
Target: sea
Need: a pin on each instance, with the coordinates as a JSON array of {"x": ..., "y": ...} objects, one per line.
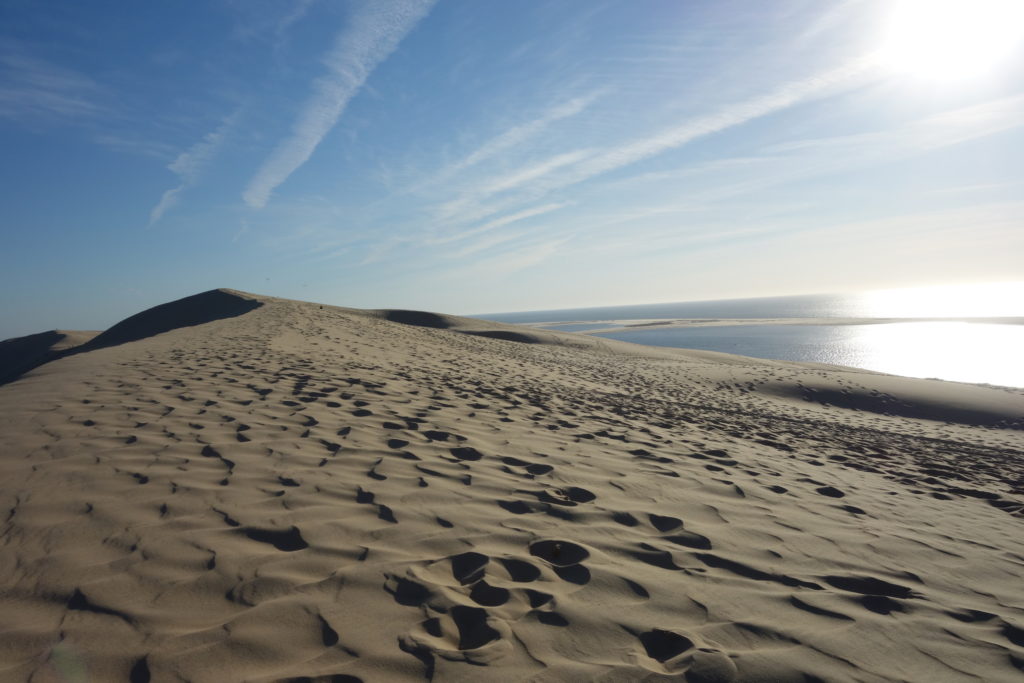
[{"x": 979, "y": 339}]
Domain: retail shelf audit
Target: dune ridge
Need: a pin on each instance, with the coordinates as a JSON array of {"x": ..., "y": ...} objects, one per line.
[
  {"x": 240, "y": 487},
  {"x": 19, "y": 355},
  {"x": 189, "y": 311}
]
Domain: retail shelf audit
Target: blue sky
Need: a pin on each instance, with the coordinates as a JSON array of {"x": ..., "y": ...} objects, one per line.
[{"x": 483, "y": 156}]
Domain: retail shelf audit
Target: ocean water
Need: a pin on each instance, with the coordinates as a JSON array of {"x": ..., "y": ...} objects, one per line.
[
  {"x": 966, "y": 301},
  {"x": 975, "y": 352},
  {"x": 578, "y": 327},
  {"x": 958, "y": 351}
]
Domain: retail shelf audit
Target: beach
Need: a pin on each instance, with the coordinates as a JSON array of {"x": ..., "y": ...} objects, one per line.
[{"x": 237, "y": 487}]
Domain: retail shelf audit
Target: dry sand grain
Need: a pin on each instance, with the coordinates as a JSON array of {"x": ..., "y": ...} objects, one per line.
[{"x": 236, "y": 487}]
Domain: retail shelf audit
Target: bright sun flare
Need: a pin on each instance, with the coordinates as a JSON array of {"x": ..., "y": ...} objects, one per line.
[{"x": 945, "y": 40}]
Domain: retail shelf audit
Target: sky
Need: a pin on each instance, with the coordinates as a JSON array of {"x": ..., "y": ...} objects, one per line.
[{"x": 474, "y": 156}]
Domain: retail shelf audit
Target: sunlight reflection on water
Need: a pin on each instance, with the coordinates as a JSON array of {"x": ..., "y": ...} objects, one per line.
[
  {"x": 964, "y": 352},
  {"x": 957, "y": 351}
]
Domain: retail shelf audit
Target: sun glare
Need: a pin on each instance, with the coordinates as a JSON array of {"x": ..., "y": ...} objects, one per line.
[
  {"x": 948, "y": 40},
  {"x": 983, "y": 300}
]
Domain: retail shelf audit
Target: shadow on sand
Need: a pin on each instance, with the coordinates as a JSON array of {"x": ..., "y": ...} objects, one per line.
[{"x": 19, "y": 355}]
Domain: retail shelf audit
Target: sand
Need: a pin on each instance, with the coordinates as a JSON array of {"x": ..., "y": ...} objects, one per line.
[
  {"x": 280, "y": 490},
  {"x": 21, "y": 354}
]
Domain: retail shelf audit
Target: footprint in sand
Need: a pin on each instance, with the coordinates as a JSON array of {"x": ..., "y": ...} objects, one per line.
[
  {"x": 472, "y": 628},
  {"x": 516, "y": 507},
  {"x": 654, "y": 556},
  {"x": 466, "y": 453},
  {"x": 372, "y": 473},
  {"x": 625, "y": 519},
  {"x": 525, "y": 468},
  {"x": 520, "y": 571},
  {"x": 569, "y": 496},
  {"x": 830, "y": 491},
  {"x": 877, "y": 595},
  {"x": 487, "y": 595},
  {"x": 664, "y": 523},
  {"x": 407, "y": 592},
  {"x": 663, "y": 646},
  {"x": 551, "y": 618},
  {"x": 288, "y": 540},
  {"x": 468, "y": 567},
  {"x": 564, "y": 558}
]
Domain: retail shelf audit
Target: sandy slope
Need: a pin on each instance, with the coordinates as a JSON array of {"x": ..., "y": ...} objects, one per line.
[
  {"x": 21, "y": 354},
  {"x": 311, "y": 492}
]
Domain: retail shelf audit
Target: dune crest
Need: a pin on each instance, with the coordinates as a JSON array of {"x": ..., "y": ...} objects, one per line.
[
  {"x": 197, "y": 309},
  {"x": 21, "y": 354},
  {"x": 258, "y": 489}
]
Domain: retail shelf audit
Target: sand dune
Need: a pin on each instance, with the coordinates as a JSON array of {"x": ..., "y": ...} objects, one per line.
[
  {"x": 21, "y": 354},
  {"x": 237, "y": 487}
]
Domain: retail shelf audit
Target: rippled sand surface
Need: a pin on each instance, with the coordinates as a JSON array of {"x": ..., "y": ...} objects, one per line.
[{"x": 289, "y": 491}]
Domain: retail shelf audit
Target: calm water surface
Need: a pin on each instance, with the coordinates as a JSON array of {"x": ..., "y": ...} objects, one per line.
[
  {"x": 964, "y": 301},
  {"x": 958, "y": 351},
  {"x": 961, "y": 352},
  {"x": 579, "y": 327}
]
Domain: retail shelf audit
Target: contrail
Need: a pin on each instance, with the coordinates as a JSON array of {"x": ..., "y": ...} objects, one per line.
[{"x": 371, "y": 36}]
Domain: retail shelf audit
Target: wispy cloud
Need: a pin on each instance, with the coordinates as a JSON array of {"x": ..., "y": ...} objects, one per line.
[
  {"x": 32, "y": 88},
  {"x": 468, "y": 206},
  {"x": 273, "y": 19},
  {"x": 519, "y": 134},
  {"x": 938, "y": 130},
  {"x": 830, "y": 17},
  {"x": 373, "y": 33},
  {"x": 243, "y": 228},
  {"x": 1017, "y": 185},
  {"x": 796, "y": 160},
  {"x": 501, "y": 222},
  {"x": 990, "y": 233},
  {"x": 167, "y": 200},
  {"x": 525, "y": 175},
  {"x": 131, "y": 143},
  {"x": 510, "y": 261},
  {"x": 488, "y": 242},
  {"x": 968, "y": 123},
  {"x": 783, "y": 97},
  {"x": 701, "y": 192},
  {"x": 189, "y": 165},
  {"x": 378, "y": 251},
  {"x": 566, "y": 169},
  {"x": 697, "y": 191}
]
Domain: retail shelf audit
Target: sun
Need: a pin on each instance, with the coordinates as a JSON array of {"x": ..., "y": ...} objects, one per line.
[{"x": 950, "y": 40}]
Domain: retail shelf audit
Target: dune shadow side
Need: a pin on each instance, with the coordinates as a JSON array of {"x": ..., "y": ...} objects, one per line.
[
  {"x": 20, "y": 355},
  {"x": 416, "y": 318},
  {"x": 439, "y": 321},
  {"x": 197, "y": 309},
  {"x": 918, "y": 408},
  {"x": 912, "y": 402},
  {"x": 506, "y": 335}
]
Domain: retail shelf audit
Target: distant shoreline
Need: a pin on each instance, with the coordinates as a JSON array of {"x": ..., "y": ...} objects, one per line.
[{"x": 672, "y": 323}]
